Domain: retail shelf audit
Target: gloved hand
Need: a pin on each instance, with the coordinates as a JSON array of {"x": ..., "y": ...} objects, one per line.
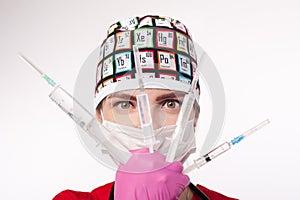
[{"x": 147, "y": 176}]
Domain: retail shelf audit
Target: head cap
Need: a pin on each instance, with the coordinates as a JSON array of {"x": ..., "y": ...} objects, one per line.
[{"x": 167, "y": 56}]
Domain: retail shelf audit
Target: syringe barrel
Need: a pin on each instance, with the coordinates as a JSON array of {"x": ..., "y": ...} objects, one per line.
[
  {"x": 86, "y": 121},
  {"x": 182, "y": 119},
  {"x": 186, "y": 108},
  {"x": 212, "y": 154},
  {"x": 146, "y": 120},
  {"x": 144, "y": 109},
  {"x": 67, "y": 103}
]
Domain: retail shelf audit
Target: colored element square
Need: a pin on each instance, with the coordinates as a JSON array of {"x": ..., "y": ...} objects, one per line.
[
  {"x": 184, "y": 64},
  {"x": 192, "y": 49},
  {"x": 101, "y": 53},
  {"x": 107, "y": 82},
  {"x": 188, "y": 32},
  {"x": 181, "y": 42},
  {"x": 167, "y": 76},
  {"x": 129, "y": 24},
  {"x": 165, "y": 39},
  {"x": 124, "y": 77},
  {"x": 170, "y": 19},
  {"x": 184, "y": 80},
  {"x": 143, "y": 37},
  {"x": 109, "y": 45},
  {"x": 112, "y": 28},
  {"x": 107, "y": 68},
  {"x": 123, "y": 40},
  {"x": 99, "y": 70},
  {"x": 163, "y": 22},
  {"x": 147, "y": 59},
  {"x": 147, "y": 21},
  {"x": 166, "y": 60},
  {"x": 123, "y": 62},
  {"x": 179, "y": 26},
  {"x": 99, "y": 88},
  {"x": 194, "y": 66}
]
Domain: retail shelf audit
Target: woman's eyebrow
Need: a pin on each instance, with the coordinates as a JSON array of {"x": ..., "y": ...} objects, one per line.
[
  {"x": 123, "y": 96},
  {"x": 170, "y": 95}
]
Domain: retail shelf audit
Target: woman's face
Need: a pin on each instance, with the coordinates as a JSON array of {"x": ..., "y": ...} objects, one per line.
[{"x": 122, "y": 107}]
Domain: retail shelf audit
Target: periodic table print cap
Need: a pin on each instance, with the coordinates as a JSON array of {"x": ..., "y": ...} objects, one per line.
[{"x": 167, "y": 56}]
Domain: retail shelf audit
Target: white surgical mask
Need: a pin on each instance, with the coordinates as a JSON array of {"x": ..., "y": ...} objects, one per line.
[{"x": 129, "y": 138}]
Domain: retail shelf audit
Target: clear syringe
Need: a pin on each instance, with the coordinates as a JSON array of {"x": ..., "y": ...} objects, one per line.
[
  {"x": 183, "y": 116},
  {"x": 82, "y": 116},
  {"x": 223, "y": 148},
  {"x": 143, "y": 104}
]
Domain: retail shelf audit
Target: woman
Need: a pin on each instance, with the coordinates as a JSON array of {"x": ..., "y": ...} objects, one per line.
[{"x": 169, "y": 61}]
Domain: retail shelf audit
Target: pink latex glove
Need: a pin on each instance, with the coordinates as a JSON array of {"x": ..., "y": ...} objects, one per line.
[{"x": 146, "y": 176}]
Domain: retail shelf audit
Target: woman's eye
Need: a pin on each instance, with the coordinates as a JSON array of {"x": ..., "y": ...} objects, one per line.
[
  {"x": 123, "y": 105},
  {"x": 171, "y": 104}
]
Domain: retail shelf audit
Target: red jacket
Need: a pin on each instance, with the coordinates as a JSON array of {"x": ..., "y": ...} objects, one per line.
[{"x": 103, "y": 193}]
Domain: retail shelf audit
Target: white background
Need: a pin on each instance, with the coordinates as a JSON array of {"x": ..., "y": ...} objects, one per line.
[{"x": 254, "y": 45}]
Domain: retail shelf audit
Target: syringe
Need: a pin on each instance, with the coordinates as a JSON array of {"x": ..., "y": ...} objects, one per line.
[
  {"x": 82, "y": 116},
  {"x": 223, "y": 148},
  {"x": 183, "y": 117},
  {"x": 143, "y": 104}
]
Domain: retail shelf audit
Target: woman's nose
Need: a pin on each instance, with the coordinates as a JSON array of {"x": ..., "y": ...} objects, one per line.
[{"x": 158, "y": 118}]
